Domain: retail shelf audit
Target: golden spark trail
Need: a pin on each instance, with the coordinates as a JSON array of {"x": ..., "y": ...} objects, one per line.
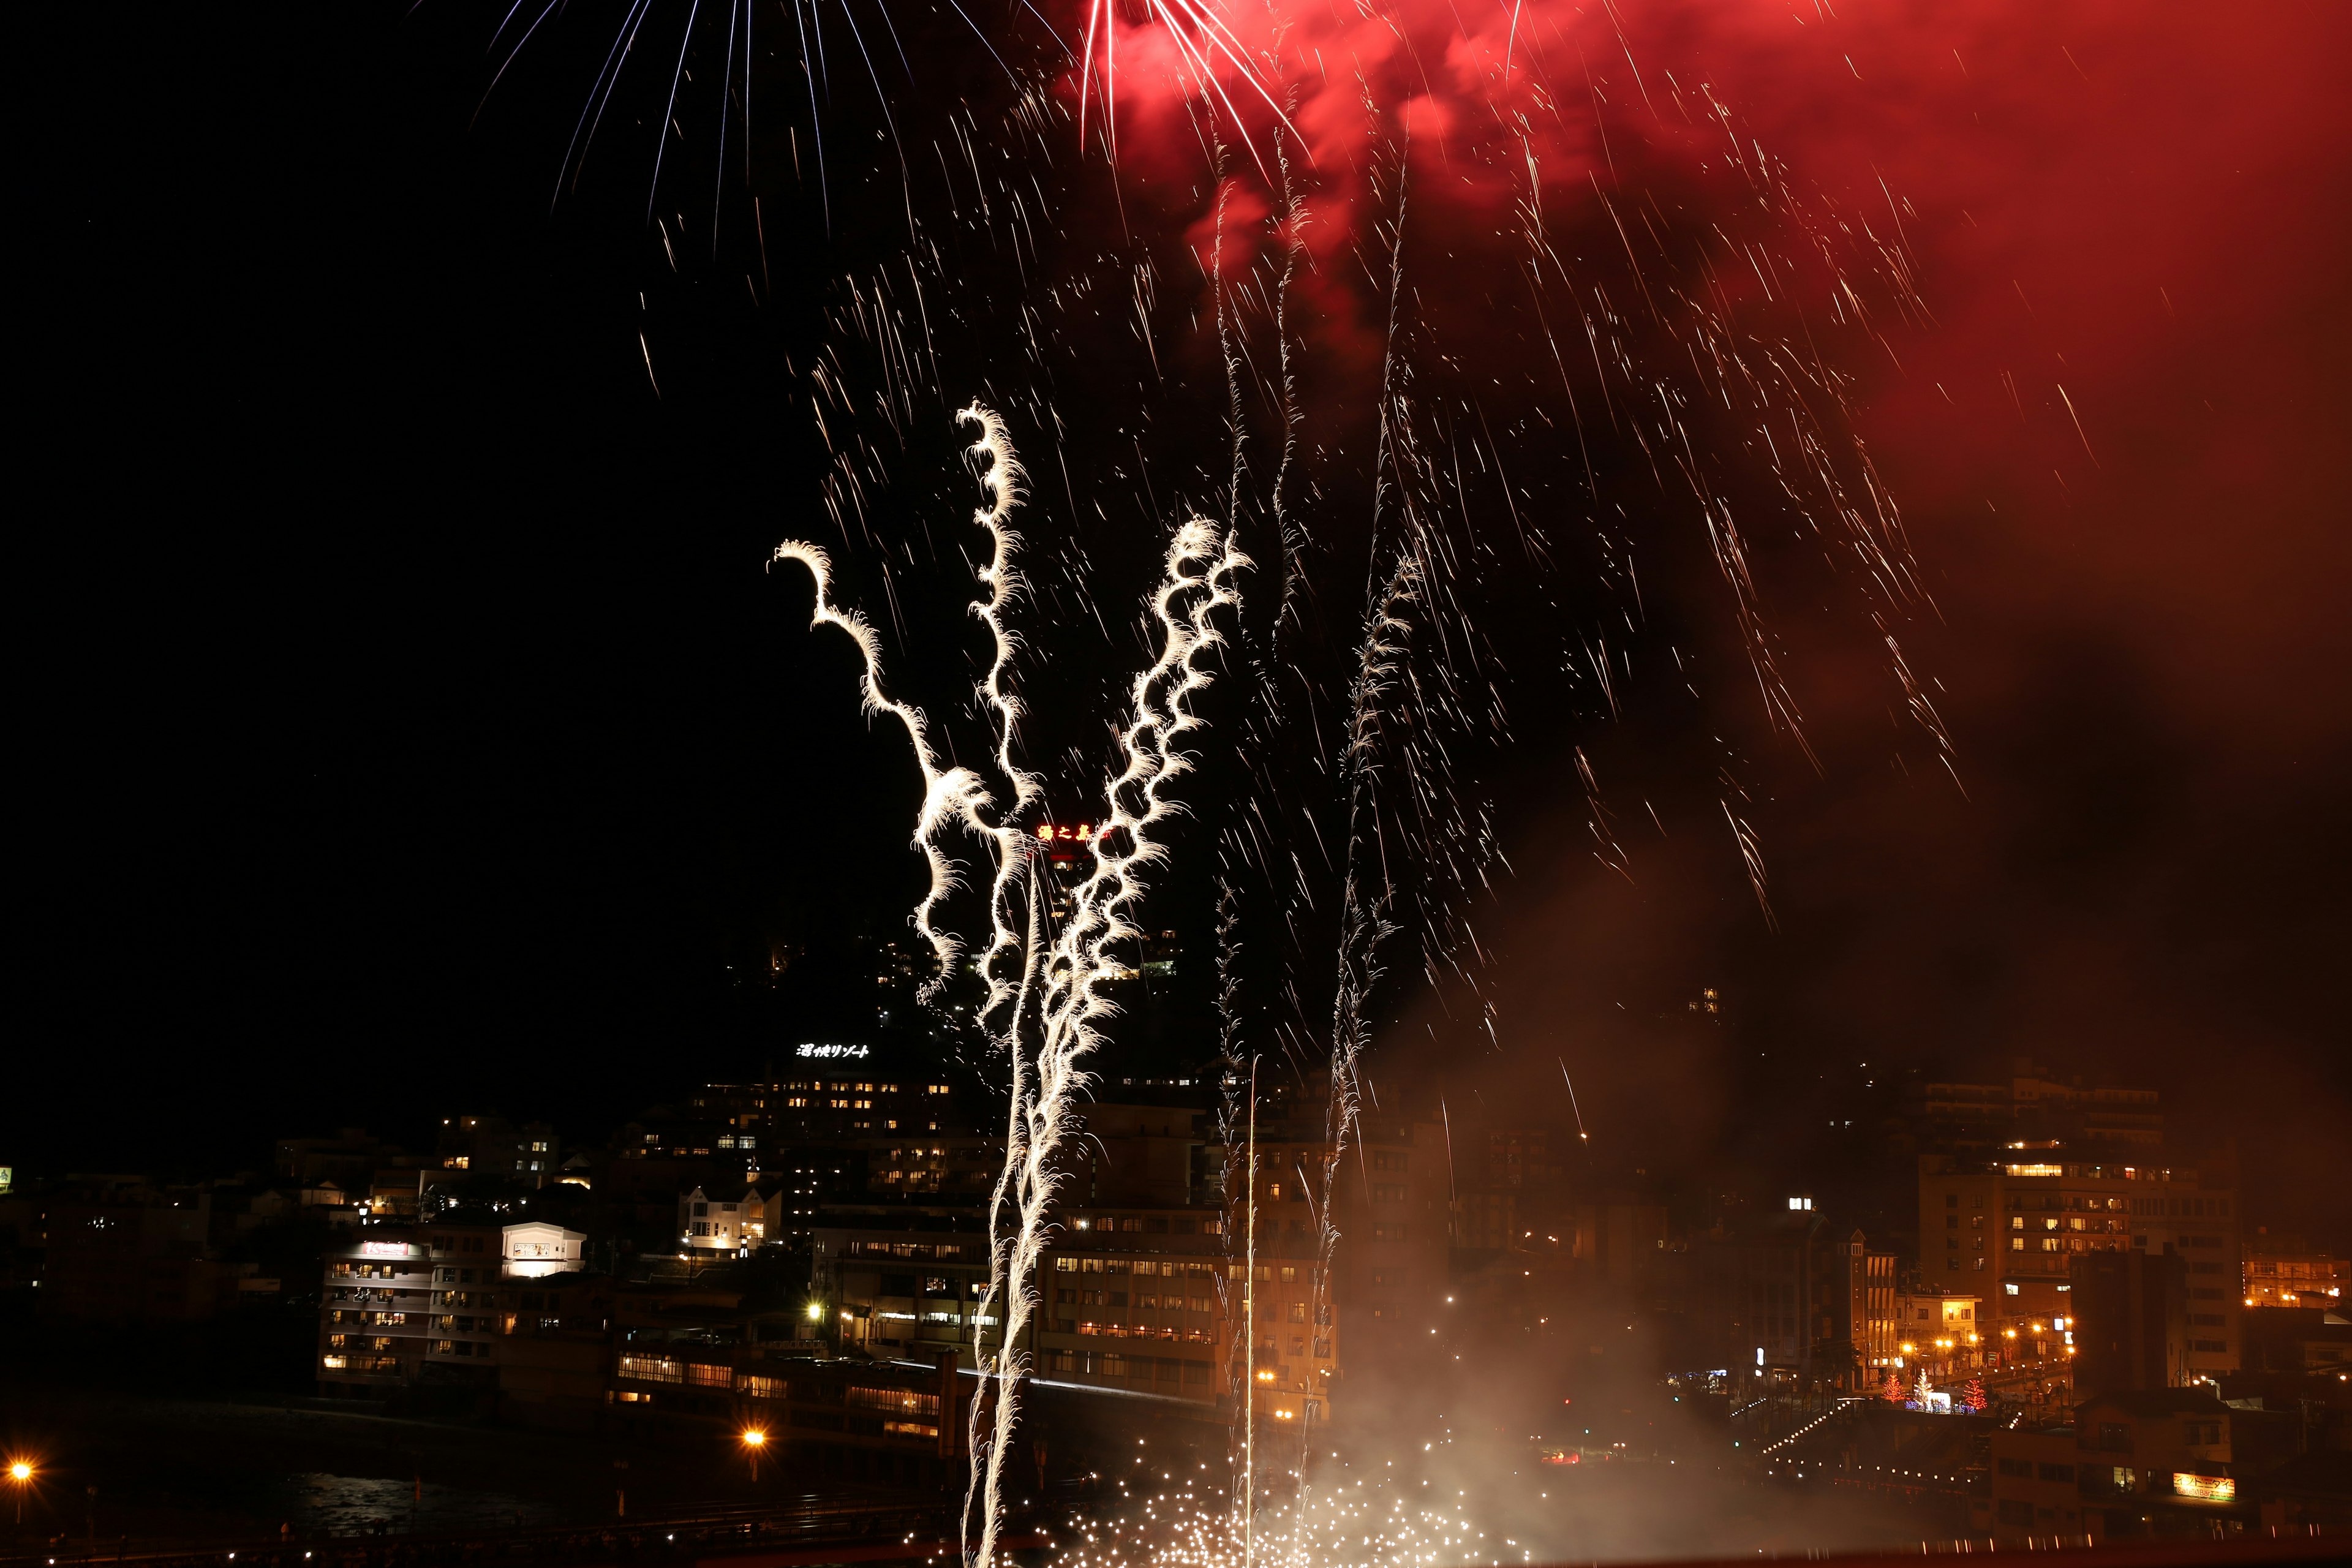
[
  {"x": 953, "y": 793},
  {"x": 1002, "y": 478},
  {"x": 1202, "y": 564}
]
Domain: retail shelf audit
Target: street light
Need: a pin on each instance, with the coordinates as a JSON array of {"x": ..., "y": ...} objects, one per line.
[
  {"x": 754, "y": 1439},
  {"x": 816, "y": 1311},
  {"x": 21, "y": 1472}
]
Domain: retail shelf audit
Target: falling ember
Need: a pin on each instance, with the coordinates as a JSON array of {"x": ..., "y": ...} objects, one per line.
[
  {"x": 1582, "y": 1136},
  {"x": 1204, "y": 43},
  {"x": 1751, "y": 856}
]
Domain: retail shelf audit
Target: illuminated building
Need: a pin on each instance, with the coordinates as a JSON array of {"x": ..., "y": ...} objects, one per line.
[
  {"x": 1143, "y": 1290},
  {"x": 911, "y": 1289},
  {"x": 2172, "y": 1462},
  {"x": 1131, "y": 1300},
  {"x": 2007, "y": 1227},
  {"x": 935, "y": 1167},
  {"x": 412, "y": 1305},
  {"x": 1801, "y": 1305},
  {"x": 845, "y": 1128},
  {"x": 1066, "y": 860},
  {"x": 1940, "y": 1334},
  {"x": 487, "y": 1146},
  {"x": 2282, "y": 1271},
  {"x": 837, "y": 1089},
  {"x": 905, "y": 1422},
  {"x": 400, "y": 1298},
  {"x": 1391, "y": 1270},
  {"x": 1872, "y": 1313},
  {"x": 714, "y": 1225},
  {"x": 535, "y": 1249}
]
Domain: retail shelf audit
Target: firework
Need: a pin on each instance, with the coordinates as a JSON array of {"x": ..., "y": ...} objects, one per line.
[
  {"x": 1199, "y": 583},
  {"x": 1352, "y": 296}
]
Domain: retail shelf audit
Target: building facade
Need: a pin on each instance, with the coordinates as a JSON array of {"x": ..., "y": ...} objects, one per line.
[
  {"x": 2008, "y": 1228},
  {"x": 2286, "y": 1272},
  {"x": 2035, "y": 1494},
  {"x": 409, "y": 1305}
]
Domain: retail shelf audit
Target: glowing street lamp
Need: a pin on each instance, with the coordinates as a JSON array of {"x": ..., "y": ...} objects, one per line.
[
  {"x": 754, "y": 1439},
  {"x": 21, "y": 1472}
]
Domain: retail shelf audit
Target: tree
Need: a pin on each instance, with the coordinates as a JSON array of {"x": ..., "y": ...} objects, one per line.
[
  {"x": 1891, "y": 1390},
  {"x": 1972, "y": 1398}
]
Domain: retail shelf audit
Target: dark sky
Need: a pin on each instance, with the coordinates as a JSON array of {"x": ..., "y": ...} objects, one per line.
[{"x": 413, "y": 724}]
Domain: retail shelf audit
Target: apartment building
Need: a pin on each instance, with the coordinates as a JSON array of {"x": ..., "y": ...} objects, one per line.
[
  {"x": 399, "y": 1298},
  {"x": 903, "y": 1286},
  {"x": 1800, "y": 1302},
  {"x": 2007, "y": 1228},
  {"x": 902, "y": 1422},
  {"x": 2286, "y": 1271},
  {"x": 832, "y": 1091},
  {"x": 1158, "y": 1261},
  {"x": 2171, "y": 1462},
  {"x": 1145, "y": 1301},
  {"x": 410, "y": 1305}
]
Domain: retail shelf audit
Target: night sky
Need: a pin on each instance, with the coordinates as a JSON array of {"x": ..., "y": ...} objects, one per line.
[{"x": 413, "y": 725}]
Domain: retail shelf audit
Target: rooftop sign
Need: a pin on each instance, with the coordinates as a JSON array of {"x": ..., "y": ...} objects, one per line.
[{"x": 855, "y": 1053}]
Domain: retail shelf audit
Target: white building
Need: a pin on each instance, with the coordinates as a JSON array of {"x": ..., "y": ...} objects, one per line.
[
  {"x": 709, "y": 1225},
  {"x": 537, "y": 1248}
]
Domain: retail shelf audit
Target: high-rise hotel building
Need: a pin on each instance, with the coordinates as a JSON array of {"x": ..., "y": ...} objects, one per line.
[{"x": 2005, "y": 1228}]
